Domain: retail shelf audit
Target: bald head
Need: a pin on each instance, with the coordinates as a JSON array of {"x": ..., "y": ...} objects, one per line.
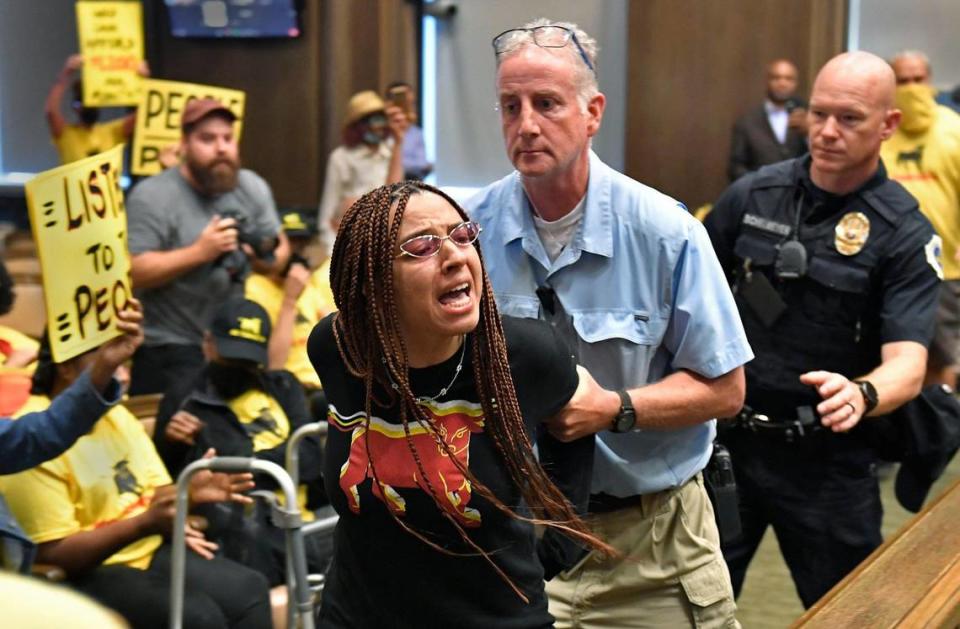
[
  {"x": 851, "y": 114},
  {"x": 911, "y": 66},
  {"x": 860, "y": 72}
]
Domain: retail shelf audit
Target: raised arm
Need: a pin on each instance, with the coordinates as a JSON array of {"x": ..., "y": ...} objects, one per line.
[
  {"x": 52, "y": 105},
  {"x": 281, "y": 338},
  {"x": 398, "y": 129},
  {"x": 38, "y": 437}
]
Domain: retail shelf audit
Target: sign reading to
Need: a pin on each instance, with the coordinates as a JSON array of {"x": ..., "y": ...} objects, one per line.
[
  {"x": 111, "y": 42},
  {"x": 158, "y": 118},
  {"x": 80, "y": 224}
]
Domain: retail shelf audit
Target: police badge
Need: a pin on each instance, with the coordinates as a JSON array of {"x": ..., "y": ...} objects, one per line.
[{"x": 851, "y": 233}]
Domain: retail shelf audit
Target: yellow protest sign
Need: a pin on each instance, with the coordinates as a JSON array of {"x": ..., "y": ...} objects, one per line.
[
  {"x": 111, "y": 42},
  {"x": 80, "y": 224},
  {"x": 158, "y": 118}
]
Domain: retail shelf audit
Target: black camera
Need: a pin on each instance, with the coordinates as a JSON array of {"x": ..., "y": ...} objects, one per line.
[
  {"x": 262, "y": 245},
  {"x": 235, "y": 262}
]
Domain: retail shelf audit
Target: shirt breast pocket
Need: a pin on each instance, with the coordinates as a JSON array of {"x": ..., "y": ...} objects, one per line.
[
  {"x": 618, "y": 344},
  {"x": 760, "y": 249},
  {"x": 839, "y": 292},
  {"x": 520, "y": 306}
]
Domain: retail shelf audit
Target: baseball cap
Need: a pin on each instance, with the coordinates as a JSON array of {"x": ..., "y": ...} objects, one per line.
[
  {"x": 296, "y": 222},
  {"x": 198, "y": 109},
  {"x": 241, "y": 331}
]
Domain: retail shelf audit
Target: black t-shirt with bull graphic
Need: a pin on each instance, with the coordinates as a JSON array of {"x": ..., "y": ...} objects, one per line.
[{"x": 382, "y": 576}]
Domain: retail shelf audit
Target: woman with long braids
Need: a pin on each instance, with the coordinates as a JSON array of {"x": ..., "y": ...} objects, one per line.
[{"x": 435, "y": 403}]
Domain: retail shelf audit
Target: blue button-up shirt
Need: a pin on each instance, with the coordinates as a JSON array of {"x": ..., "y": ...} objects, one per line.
[{"x": 638, "y": 293}]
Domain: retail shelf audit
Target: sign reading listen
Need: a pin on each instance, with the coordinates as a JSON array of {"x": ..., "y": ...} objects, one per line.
[
  {"x": 80, "y": 225},
  {"x": 111, "y": 42},
  {"x": 158, "y": 118}
]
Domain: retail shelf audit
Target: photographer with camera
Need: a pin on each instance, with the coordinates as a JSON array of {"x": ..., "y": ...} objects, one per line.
[
  {"x": 773, "y": 131},
  {"x": 195, "y": 232}
]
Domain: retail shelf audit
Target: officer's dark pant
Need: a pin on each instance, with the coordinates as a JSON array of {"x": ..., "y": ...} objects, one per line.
[{"x": 822, "y": 498}]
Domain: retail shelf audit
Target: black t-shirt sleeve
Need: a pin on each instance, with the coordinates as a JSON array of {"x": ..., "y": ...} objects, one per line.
[
  {"x": 911, "y": 284},
  {"x": 322, "y": 348},
  {"x": 545, "y": 378},
  {"x": 543, "y": 367}
]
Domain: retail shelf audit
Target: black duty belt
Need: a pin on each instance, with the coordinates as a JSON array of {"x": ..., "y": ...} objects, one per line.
[{"x": 806, "y": 423}]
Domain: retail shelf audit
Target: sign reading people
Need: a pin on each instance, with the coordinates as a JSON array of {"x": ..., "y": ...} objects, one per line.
[
  {"x": 80, "y": 225},
  {"x": 158, "y": 118},
  {"x": 111, "y": 43}
]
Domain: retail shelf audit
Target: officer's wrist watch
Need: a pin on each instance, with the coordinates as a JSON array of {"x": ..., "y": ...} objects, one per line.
[
  {"x": 626, "y": 418},
  {"x": 869, "y": 393}
]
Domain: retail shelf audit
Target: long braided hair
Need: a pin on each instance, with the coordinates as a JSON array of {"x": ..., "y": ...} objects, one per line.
[{"x": 367, "y": 333}]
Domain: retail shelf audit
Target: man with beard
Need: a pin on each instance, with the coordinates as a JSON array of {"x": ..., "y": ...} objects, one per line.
[
  {"x": 923, "y": 155},
  {"x": 194, "y": 232},
  {"x": 90, "y": 136},
  {"x": 773, "y": 131}
]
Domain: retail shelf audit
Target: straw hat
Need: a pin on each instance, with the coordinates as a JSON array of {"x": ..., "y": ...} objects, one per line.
[{"x": 361, "y": 105}]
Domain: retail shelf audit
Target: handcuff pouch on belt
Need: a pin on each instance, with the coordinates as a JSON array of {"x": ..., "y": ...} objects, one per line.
[{"x": 790, "y": 430}]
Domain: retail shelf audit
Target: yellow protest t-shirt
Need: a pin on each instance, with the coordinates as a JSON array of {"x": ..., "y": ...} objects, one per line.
[
  {"x": 268, "y": 427},
  {"x": 928, "y": 166},
  {"x": 262, "y": 418},
  {"x": 310, "y": 309},
  {"x": 108, "y": 476},
  {"x": 13, "y": 340},
  {"x": 77, "y": 141}
]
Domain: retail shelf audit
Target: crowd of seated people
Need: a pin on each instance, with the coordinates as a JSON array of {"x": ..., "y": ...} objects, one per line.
[{"x": 232, "y": 288}]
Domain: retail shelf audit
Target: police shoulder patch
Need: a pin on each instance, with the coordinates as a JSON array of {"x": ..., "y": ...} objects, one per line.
[{"x": 934, "y": 253}]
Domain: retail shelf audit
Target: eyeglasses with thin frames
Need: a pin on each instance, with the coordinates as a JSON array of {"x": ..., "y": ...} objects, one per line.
[
  {"x": 549, "y": 36},
  {"x": 428, "y": 245}
]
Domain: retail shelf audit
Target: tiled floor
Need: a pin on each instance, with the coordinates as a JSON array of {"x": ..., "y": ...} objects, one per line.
[{"x": 769, "y": 601}]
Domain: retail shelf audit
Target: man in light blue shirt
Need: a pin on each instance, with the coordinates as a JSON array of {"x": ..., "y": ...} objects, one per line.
[{"x": 631, "y": 280}]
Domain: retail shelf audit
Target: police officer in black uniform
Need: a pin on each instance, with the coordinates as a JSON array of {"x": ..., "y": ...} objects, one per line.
[{"x": 835, "y": 272}]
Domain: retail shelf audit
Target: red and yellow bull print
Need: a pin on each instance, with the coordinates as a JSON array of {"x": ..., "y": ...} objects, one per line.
[{"x": 396, "y": 468}]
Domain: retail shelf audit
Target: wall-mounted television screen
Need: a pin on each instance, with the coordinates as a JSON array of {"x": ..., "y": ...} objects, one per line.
[{"x": 233, "y": 18}]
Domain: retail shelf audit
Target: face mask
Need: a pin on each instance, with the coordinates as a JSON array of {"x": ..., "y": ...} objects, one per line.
[
  {"x": 919, "y": 109},
  {"x": 230, "y": 381},
  {"x": 373, "y": 133}
]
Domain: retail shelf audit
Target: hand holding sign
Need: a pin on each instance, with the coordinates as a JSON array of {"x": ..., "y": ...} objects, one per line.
[{"x": 80, "y": 222}]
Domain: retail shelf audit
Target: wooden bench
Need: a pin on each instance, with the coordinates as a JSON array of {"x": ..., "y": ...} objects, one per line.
[
  {"x": 144, "y": 407},
  {"x": 29, "y": 314},
  {"x": 912, "y": 580}
]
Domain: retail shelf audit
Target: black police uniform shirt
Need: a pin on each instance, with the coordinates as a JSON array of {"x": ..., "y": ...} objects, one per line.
[
  {"x": 381, "y": 575},
  {"x": 836, "y": 316}
]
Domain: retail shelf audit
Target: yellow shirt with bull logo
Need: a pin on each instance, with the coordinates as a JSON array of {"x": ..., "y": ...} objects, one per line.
[
  {"x": 927, "y": 164},
  {"x": 267, "y": 427},
  {"x": 108, "y": 476}
]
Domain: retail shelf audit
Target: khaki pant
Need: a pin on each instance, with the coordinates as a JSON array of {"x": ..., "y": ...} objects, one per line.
[{"x": 670, "y": 572}]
